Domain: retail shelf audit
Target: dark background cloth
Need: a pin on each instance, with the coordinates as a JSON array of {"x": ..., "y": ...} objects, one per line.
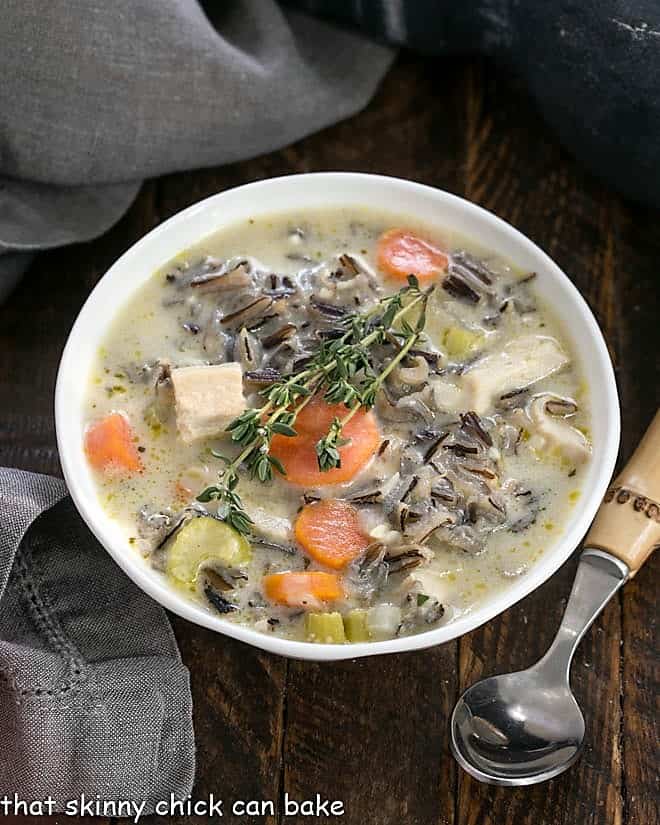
[{"x": 592, "y": 66}]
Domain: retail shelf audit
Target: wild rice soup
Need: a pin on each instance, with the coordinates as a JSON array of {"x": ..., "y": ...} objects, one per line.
[{"x": 309, "y": 442}]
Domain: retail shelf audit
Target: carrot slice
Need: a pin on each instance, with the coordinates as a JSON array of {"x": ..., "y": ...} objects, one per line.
[
  {"x": 298, "y": 453},
  {"x": 110, "y": 445},
  {"x": 330, "y": 532},
  {"x": 302, "y": 589},
  {"x": 401, "y": 253}
]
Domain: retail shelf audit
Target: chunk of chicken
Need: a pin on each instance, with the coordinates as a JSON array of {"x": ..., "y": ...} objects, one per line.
[
  {"x": 207, "y": 399},
  {"x": 520, "y": 363},
  {"x": 271, "y": 526},
  {"x": 447, "y": 394},
  {"x": 427, "y": 594},
  {"x": 430, "y": 583},
  {"x": 549, "y": 432}
]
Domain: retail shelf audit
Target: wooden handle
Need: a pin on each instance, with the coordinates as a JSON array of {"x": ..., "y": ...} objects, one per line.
[{"x": 628, "y": 522}]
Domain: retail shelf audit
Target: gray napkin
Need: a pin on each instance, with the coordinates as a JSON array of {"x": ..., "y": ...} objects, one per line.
[
  {"x": 96, "y": 96},
  {"x": 94, "y": 698}
]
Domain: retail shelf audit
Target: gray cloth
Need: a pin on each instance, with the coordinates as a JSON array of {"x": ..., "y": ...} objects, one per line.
[
  {"x": 94, "y": 697},
  {"x": 96, "y": 96}
]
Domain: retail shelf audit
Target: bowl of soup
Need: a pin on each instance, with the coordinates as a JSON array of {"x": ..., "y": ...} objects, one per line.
[{"x": 336, "y": 414}]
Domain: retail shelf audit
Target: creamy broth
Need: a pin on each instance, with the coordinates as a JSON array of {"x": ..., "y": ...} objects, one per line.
[{"x": 454, "y": 504}]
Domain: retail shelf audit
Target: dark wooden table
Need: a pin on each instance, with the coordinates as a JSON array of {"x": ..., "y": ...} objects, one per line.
[{"x": 373, "y": 733}]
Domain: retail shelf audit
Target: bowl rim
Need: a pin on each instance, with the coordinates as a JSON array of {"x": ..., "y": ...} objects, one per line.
[{"x": 149, "y": 581}]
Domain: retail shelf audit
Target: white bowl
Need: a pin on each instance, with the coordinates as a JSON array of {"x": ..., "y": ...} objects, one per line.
[{"x": 307, "y": 192}]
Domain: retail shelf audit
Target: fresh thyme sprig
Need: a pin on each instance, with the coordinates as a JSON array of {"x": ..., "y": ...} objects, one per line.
[
  {"x": 342, "y": 368},
  {"x": 327, "y": 448},
  {"x": 230, "y": 507}
]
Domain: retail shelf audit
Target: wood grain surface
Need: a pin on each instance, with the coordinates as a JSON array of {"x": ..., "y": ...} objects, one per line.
[{"x": 373, "y": 733}]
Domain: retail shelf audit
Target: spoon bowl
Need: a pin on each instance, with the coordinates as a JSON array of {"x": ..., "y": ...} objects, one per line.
[{"x": 517, "y": 729}]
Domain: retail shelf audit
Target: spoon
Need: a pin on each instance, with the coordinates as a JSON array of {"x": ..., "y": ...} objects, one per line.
[{"x": 526, "y": 727}]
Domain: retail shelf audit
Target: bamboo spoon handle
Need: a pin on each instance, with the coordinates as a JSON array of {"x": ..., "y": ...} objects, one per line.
[{"x": 627, "y": 524}]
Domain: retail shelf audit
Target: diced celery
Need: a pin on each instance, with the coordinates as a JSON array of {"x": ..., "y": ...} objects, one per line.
[
  {"x": 355, "y": 625},
  {"x": 324, "y": 628},
  {"x": 204, "y": 541},
  {"x": 459, "y": 342}
]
